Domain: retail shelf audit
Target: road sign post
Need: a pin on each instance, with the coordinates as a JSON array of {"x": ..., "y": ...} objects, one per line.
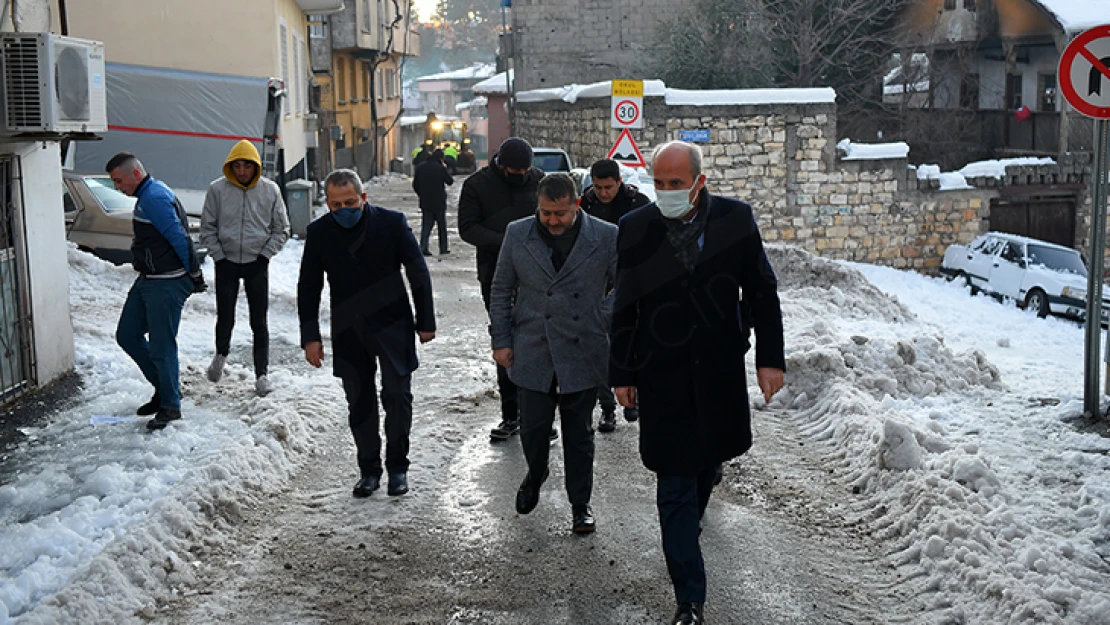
[{"x": 1085, "y": 83}]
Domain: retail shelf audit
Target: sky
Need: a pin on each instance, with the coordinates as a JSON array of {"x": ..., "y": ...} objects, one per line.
[
  {"x": 424, "y": 8},
  {"x": 950, "y": 417}
]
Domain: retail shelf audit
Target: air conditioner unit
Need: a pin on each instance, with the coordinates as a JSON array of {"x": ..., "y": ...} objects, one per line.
[{"x": 51, "y": 84}]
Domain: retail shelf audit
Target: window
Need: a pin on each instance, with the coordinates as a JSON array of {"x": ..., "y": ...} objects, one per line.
[
  {"x": 969, "y": 92},
  {"x": 949, "y": 5},
  {"x": 1046, "y": 90},
  {"x": 341, "y": 79},
  {"x": 366, "y": 82},
  {"x": 356, "y": 69},
  {"x": 1012, "y": 252},
  {"x": 283, "y": 32},
  {"x": 1013, "y": 91},
  {"x": 379, "y": 83},
  {"x": 969, "y": 5},
  {"x": 365, "y": 19},
  {"x": 317, "y": 27}
]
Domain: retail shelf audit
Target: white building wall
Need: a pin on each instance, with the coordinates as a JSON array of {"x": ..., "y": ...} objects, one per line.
[{"x": 41, "y": 229}]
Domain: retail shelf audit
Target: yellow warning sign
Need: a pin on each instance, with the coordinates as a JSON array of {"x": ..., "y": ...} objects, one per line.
[{"x": 628, "y": 88}]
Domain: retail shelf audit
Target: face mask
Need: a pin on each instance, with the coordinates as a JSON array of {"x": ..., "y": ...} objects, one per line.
[
  {"x": 674, "y": 204},
  {"x": 347, "y": 217},
  {"x": 514, "y": 180}
]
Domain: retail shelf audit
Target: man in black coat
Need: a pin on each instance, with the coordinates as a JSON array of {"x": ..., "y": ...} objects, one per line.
[
  {"x": 430, "y": 182},
  {"x": 608, "y": 198},
  {"x": 677, "y": 345},
  {"x": 499, "y": 193},
  {"x": 362, "y": 249}
]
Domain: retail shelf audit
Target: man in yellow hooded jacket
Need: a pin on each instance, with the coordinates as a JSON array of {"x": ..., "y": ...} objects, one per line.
[{"x": 244, "y": 225}]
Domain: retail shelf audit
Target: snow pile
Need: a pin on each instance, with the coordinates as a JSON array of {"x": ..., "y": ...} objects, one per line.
[
  {"x": 992, "y": 508},
  {"x": 850, "y": 151},
  {"x": 739, "y": 97},
  {"x": 952, "y": 181},
  {"x": 106, "y": 519}
]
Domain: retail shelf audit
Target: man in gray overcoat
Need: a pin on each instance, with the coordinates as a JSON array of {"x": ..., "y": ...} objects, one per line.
[{"x": 549, "y": 320}]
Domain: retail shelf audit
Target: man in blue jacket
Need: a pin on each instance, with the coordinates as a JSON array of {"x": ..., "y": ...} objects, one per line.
[
  {"x": 361, "y": 249},
  {"x": 169, "y": 272}
]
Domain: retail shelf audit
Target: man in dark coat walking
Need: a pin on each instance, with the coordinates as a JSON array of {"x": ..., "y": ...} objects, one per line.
[
  {"x": 608, "y": 198},
  {"x": 499, "y": 193},
  {"x": 430, "y": 183},
  {"x": 677, "y": 345},
  {"x": 362, "y": 249}
]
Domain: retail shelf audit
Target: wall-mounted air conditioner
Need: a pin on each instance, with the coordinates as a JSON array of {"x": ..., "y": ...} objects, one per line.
[{"x": 51, "y": 84}]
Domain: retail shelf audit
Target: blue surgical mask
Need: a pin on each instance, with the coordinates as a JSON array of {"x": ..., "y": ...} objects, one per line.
[
  {"x": 674, "y": 204},
  {"x": 347, "y": 217}
]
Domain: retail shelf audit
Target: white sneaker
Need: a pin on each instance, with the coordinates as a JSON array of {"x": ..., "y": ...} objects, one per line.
[
  {"x": 263, "y": 385},
  {"x": 216, "y": 367}
]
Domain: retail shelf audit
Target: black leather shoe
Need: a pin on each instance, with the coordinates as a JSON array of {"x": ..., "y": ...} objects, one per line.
[
  {"x": 427, "y": 252},
  {"x": 367, "y": 485},
  {"x": 583, "y": 521},
  {"x": 608, "y": 421},
  {"x": 398, "y": 484},
  {"x": 163, "y": 418},
  {"x": 504, "y": 430},
  {"x": 631, "y": 414},
  {"x": 529, "y": 493},
  {"x": 151, "y": 407},
  {"x": 689, "y": 614}
]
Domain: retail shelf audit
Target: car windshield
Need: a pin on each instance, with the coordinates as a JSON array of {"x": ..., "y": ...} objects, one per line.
[
  {"x": 113, "y": 201},
  {"x": 551, "y": 162},
  {"x": 1067, "y": 261}
]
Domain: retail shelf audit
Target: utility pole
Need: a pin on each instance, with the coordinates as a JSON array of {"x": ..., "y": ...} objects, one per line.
[{"x": 510, "y": 60}]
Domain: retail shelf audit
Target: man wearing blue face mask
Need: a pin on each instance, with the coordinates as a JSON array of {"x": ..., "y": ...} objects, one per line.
[
  {"x": 678, "y": 342},
  {"x": 362, "y": 250}
]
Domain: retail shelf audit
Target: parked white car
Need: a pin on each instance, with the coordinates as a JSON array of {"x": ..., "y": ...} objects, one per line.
[
  {"x": 636, "y": 176},
  {"x": 1039, "y": 276},
  {"x": 551, "y": 160}
]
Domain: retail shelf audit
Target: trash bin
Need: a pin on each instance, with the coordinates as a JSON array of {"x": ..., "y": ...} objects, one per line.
[{"x": 299, "y": 205}]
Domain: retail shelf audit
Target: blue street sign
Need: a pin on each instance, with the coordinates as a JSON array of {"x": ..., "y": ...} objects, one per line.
[{"x": 701, "y": 135}]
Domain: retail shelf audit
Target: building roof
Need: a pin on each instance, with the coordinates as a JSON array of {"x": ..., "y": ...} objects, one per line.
[
  {"x": 494, "y": 84},
  {"x": 1077, "y": 15},
  {"x": 478, "y": 70}
]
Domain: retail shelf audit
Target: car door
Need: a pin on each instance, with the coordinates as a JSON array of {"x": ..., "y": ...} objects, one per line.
[
  {"x": 980, "y": 261},
  {"x": 1008, "y": 270}
]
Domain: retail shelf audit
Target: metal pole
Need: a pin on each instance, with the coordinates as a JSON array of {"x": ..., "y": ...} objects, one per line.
[
  {"x": 510, "y": 58},
  {"x": 1093, "y": 329}
]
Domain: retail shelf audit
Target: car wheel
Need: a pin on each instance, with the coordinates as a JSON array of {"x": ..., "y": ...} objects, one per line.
[
  {"x": 1037, "y": 302},
  {"x": 967, "y": 280}
]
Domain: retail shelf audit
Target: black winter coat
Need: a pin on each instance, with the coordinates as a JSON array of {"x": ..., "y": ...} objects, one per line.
[
  {"x": 678, "y": 338},
  {"x": 363, "y": 267},
  {"x": 428, "y": 181},
  {"x": 487, "y": 205},
  {"x": 628, "y": 199}
]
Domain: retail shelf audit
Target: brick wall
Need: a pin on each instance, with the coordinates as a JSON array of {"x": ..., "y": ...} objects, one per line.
[{"x": 782, "y": 159}]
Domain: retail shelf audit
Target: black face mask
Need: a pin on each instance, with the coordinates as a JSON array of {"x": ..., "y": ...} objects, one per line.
[{"x": 515, "y": 180}]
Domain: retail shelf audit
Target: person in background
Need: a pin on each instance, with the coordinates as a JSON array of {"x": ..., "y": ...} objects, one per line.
[
  {"x": 244, "y": 224},
  {"x": 430, "y": 183},
  {"x": 609, "y": 198},
  {"x": 169, "y": 272},
  {"x": 678, "y": 343},
  {"x": 361, "y": 249}
]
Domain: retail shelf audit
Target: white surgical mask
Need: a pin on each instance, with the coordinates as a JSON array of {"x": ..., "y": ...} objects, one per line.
[{"x": 674, "y": 204}]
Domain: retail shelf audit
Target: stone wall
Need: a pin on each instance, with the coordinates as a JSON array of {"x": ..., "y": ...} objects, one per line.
[{"x": 782, "y": 159}]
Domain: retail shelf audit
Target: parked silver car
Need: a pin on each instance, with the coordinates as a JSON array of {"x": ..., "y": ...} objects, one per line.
[{"x": 98, "y": 217}]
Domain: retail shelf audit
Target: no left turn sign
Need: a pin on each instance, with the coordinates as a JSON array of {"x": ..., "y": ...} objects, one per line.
[{"x": 1085, "y": 72}]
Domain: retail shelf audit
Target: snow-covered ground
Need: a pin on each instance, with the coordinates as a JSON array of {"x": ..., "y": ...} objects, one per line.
[{"x": 948, "y": 419}]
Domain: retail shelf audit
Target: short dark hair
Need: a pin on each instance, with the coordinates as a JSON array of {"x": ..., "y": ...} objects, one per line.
[
  {"x": 342, "y": 178},
  {"x": 125, "y": 160},
  {"x": 558, "y": 186},
  {"x": 605, "y": 168}
]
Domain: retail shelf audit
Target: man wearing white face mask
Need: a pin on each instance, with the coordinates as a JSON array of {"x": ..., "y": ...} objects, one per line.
[{"x": 678, "y": 343}]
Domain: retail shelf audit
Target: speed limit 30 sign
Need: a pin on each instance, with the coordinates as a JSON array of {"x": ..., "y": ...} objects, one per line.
[{"x": 628, "y": 104}]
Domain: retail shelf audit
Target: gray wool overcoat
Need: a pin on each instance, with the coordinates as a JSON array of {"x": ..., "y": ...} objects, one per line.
[{"x": 557, "y": 323}]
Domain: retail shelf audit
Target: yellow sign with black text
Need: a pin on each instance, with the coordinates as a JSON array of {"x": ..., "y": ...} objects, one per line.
[{"x": 628, "y": 88}]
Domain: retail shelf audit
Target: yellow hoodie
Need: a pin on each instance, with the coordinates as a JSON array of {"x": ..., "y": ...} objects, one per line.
[{"x": 243, "y": 151}]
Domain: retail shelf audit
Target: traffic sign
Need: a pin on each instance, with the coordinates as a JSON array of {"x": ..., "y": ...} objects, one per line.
[
  {"x": 627, "y": 104},
  {"x": 626, "y": 151},
  {"x": 1084, "y": 72}
]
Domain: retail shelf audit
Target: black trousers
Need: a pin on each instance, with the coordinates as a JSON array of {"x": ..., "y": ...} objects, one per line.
[
  {"x": 437, "y": 217},
  {"x": 510, "y": 409},
  {"x": 606, "y": 399},
  {"x": 537, "y": 415},
  {"x": 356, "y": 366},
  {"x": 681, "y": 500},
  {"x": 255, "y": 277}
]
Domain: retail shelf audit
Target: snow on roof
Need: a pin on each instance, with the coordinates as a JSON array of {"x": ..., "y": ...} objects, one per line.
[
  {"x": 571, "y": 93},
  {"x": 871, "y": 151},
  {"x": 494, "y": 84},
  {"x": 478, "y": 70},
  {"x": 716, "y": 97},
  {"x": 1078, "y": 15},
  {"x": 413, "y": 120},
  {"x": 478, "y": 101},
  {"x": 954, "y": 180}
]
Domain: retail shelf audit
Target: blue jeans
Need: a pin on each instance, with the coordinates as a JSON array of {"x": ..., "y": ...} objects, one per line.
[{"x": 147, "y": 331}]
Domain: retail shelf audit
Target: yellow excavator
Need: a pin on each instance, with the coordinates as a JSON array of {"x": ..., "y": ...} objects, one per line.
[{"x": 450, "y": 136}]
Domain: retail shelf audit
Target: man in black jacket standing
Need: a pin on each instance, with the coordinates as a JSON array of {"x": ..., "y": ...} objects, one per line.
[
  {"x": 430, "y": 182},
  {"x": 608, "y": 198},
  {"x": 499, "y": 193},
  {"x": 362, "y": 249}
]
